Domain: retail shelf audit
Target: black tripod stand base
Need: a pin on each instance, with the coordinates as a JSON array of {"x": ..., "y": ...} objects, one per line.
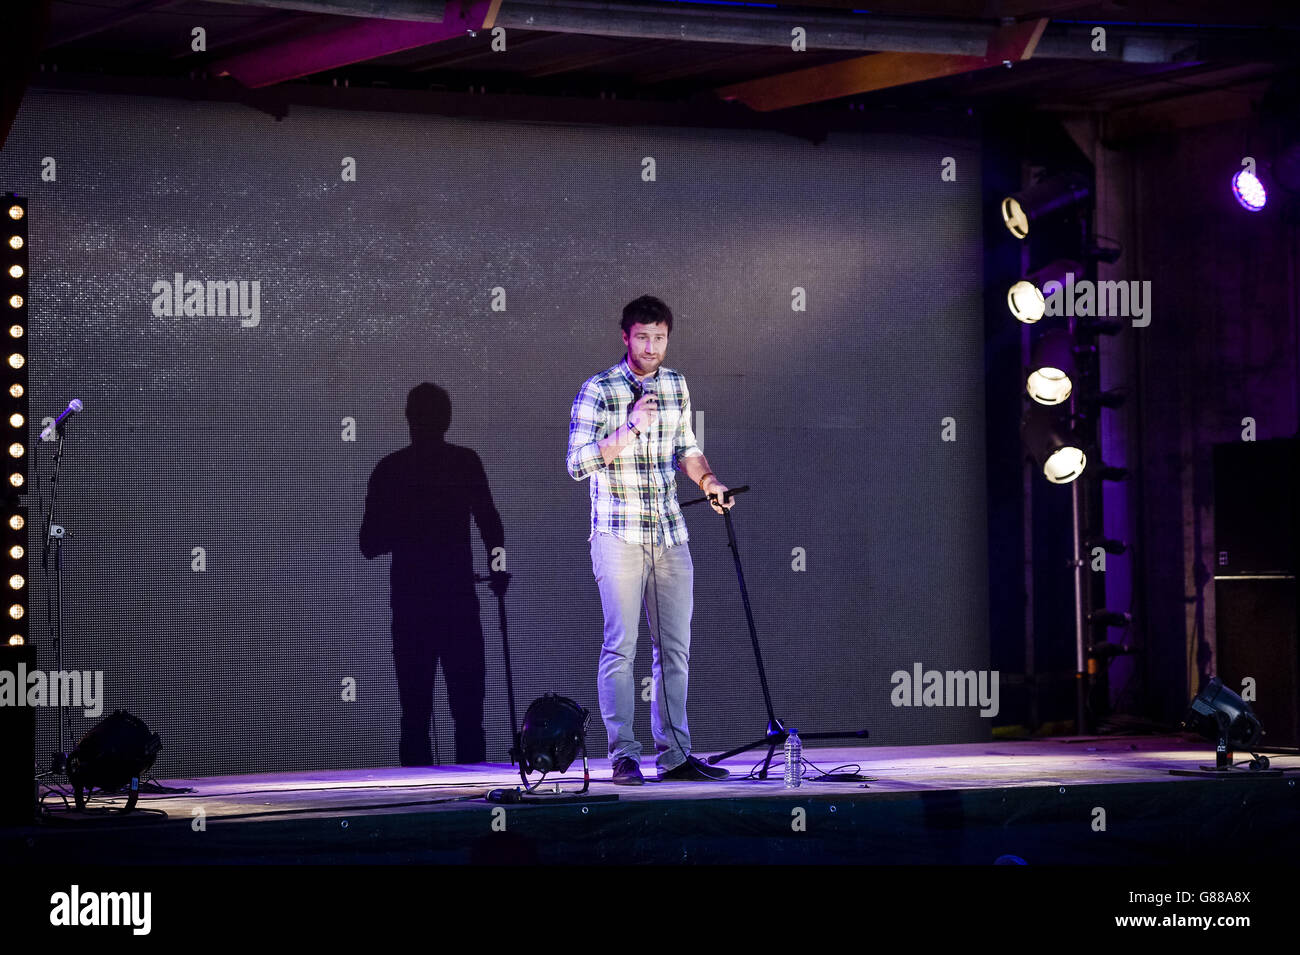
[{"x": 775, "y": 737}]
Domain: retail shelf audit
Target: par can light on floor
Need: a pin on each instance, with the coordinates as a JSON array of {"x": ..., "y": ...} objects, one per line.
[
  {"x": 553, "y": 735},
  {"x": 112, "y": 756},
  {"x": 1217, "y": 713}
]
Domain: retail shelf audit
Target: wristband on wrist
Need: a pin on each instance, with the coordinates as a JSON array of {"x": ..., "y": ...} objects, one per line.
[
  {"x": 632, "y": 427},
  {"x": 706, "y": 474}
]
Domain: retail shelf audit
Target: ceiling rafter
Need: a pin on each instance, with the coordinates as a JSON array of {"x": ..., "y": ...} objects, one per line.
[{"x": 865, "y": 74}]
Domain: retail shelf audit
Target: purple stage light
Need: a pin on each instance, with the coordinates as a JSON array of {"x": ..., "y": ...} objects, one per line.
[{"x": 1249, "y": 190}]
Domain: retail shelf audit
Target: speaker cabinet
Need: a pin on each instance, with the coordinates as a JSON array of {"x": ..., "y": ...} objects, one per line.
[
  {"x": 1256, "y": 625},
  {"x": 1256, "y": 610},
  {"x": 17, "y": 740}
]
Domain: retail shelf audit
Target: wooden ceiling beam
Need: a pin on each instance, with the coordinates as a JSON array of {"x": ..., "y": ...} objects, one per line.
[{"x": 865, "y": 74}]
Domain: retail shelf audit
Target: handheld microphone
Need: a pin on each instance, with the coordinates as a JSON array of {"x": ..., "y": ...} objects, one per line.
[
  {"x": 73, "y": 407},
  {"x": 640, "y": 390}
]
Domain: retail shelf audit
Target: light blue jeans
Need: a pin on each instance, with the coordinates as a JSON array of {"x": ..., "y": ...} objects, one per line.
[{"x": 626, "y": 575}]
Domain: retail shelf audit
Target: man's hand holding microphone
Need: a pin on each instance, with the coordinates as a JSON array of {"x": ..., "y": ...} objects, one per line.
[{"x": 645, "y": 412}]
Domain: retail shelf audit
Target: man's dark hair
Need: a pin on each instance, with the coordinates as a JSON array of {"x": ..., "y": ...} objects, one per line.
[
  {"x": 647, "y": 310},
  {"x": 428, "y": 410}
]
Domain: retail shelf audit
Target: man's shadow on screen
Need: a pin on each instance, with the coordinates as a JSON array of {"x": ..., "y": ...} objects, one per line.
[{"x": 418, "y": 505}]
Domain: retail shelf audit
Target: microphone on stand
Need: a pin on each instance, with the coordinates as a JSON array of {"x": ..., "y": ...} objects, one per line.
[{"x": 73, "y": 407}]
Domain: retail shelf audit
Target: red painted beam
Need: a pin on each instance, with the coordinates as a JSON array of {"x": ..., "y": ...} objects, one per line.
[{"x": 351, "y": 43}]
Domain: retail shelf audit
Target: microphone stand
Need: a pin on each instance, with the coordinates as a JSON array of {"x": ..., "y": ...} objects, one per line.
[
  {"x": 776, "y": 734},
  {"x": 55, "y": 534}
]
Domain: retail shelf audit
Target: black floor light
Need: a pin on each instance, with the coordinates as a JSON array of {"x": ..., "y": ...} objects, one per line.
[
  {"x": 1219, "y": 714},
  {"x": 111, "y": 756},
  {"x": 553, "y": 735}
]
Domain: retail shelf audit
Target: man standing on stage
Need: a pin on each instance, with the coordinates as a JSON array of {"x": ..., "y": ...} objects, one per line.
[{"x": 629, "y": 428}]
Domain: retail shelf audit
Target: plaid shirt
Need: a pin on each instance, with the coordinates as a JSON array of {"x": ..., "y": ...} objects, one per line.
[{"x": 622, "y": 502}]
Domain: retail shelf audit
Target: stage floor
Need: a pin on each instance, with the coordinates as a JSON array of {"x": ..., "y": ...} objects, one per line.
[{"x": 1095, "y": 800}]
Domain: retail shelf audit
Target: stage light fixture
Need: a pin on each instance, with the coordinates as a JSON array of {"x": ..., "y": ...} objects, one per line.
[
  {"x": 1064, "y": 465},
  {"x": 1013, "y": 215},
  {"x": 1249, "y": 190},
  {"x": 16, "y": 450},
  {"x": 1026, "y": 299},
  {"x": 1050, "y": 442},
  {"x": 1046, "y": 198},
  {"x": 16, "y": 545},
  {"x": 1052, "y": 368},
  {"x": 15, "y": 283},
  {"x": 552, "y": 736},
  {"x": 1217, "y": 712},
  {"x": 552, "y": 733},
  {"x": 1026, "y": 302},
  {"x": 111, "y": 756}
]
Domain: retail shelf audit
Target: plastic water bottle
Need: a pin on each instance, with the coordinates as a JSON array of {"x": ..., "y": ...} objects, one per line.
[{"x": 793, "y": 760}]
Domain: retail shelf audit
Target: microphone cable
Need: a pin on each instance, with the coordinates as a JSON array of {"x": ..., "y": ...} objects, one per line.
[{"x": 654, "y": 577}]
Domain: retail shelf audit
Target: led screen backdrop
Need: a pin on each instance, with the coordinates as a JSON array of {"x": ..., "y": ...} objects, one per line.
[{"x": 215, "y": 483}]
